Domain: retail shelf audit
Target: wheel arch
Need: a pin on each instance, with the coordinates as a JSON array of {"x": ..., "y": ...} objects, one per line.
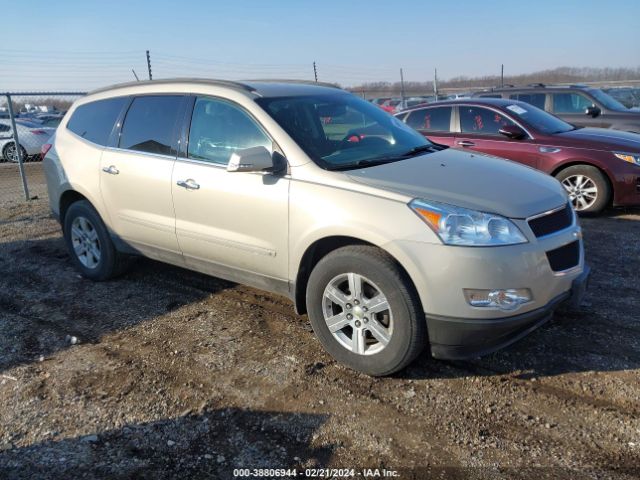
[
  {"x": 319, "y": 249},
  {"x": 577, "y": 162}
]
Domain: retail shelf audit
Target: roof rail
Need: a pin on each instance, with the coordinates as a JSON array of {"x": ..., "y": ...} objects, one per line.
[
  {"x": 291, "y": 80},
  {"x": 164, "y": 81},
  {"x": 537, "y": 85}
]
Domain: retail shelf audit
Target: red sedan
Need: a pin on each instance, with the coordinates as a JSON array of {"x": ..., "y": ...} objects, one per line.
[{"x": 598, "y": 167}]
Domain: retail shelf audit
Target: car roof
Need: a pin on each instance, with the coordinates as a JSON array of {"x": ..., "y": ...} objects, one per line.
[
  {"x": 538, "y": 87},
  {"x": 261, "y": 88},
  {"x": 492, "y": 102}
]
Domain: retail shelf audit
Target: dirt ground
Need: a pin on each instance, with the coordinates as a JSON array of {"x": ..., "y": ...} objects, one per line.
[{"x": 166, "y": 373}]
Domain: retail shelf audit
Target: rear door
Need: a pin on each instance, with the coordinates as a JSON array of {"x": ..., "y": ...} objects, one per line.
[
  {"x": 135, "y": 176},
  {"x": 479, "y": 131},
  {"x": 229, "y": 224},
  {"x": 435, "y": 123}
]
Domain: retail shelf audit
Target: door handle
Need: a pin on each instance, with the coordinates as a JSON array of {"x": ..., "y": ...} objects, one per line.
[
  {"x": 466, "y": 143},
  {"x": 112, "y": 170},
  {"x": 189, "y": 184}
]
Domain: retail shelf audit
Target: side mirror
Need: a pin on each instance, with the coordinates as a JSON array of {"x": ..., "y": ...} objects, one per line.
[
  {"x": 512, "y": 131},
  {"x": 254, "y": 159},
  {"x": 592, "y": 111}
]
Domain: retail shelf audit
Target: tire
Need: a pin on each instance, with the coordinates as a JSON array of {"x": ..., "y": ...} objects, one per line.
[
  {"x": 593, "y": 180},
  {"x": 402, "y": 325},
  {"x": 85, "y": 235},
  {"x": 8, "y": 153}
]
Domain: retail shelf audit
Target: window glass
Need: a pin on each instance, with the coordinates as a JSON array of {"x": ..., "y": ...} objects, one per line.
[
  {"x": 4, "y": 128},
  {"x": 535, "y": 99},
  {"x": 150, "y": 125},
  {"x": 342, "y": 131},
  {"x": 94, "y": 121},
  {"x": 480, "y": 120},
  {"x": 570, "y": 103},
  {"x": 431, "y": 119},
  {"x": 537, "y": 118},
  {"x": 218, "y": 129},
  {"x": 491, "y": 95}
]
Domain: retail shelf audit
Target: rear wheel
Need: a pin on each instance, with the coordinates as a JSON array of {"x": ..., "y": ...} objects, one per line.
[
  {"x": 365, "y": 311},
  {"x": 587, "y": 187},
  {"x": 89, "y": 243},
  {"x": 10, "y": 154}
]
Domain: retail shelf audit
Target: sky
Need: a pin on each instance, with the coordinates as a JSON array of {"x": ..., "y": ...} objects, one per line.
[{"x": 79, "y": 44}]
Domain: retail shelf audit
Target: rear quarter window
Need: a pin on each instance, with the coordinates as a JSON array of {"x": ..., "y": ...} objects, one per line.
[{"x": 94, "y": 121}]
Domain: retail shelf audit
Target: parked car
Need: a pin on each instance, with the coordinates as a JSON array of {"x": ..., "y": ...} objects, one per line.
[
  {"x": 627, "y": 96},
  {"x": 49, "y": 119},
  {"x": 391, "y": 106},
  {"x": 597, "y": 167},
  {"x": 380, "y": 100},
  {"x": 577, "y": 104},
  {"x": 379, "y": 239},
  {"x": 32, "y": 136}
]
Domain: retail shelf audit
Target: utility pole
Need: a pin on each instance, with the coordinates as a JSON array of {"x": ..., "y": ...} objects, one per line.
[
  {"x": 402, "y": 88},
  {"x": 435, "y": 83},
  {"x": 315, "y": 71},
  {"x": 149, "y": 65},
  {"x": 502, "y": 75}
]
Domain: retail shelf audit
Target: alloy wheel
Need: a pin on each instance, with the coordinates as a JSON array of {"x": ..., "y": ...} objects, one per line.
[
  {"x": 357, "y": 314},
  {"x": 582, "y": 191},
  {"x": 85, "y": 242}
]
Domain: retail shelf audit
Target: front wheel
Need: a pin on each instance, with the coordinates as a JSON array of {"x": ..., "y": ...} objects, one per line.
[
  {"x": 365, "y": 311},
  {"x": 588, "y": 189}
]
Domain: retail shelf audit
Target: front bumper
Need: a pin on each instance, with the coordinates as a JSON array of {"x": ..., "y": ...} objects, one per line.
[{"x": 463, "y": 338}]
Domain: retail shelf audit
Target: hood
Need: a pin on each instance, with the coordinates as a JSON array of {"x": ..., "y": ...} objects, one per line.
[
  {"x": 468, "y": 180},
  {"x": 604, "y": 138}
]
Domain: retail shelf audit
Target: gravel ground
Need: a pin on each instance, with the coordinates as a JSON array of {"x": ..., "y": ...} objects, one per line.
[{"x": 166, "y": 373}]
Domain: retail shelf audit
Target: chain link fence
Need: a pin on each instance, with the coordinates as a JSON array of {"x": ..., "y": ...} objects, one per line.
[{"x": 27, "y": 122}]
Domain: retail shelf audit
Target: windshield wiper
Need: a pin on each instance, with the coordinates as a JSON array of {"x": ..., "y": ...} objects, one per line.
[
  {"x": 365, "y": 163},
  {"x": 420, "y": 149}
]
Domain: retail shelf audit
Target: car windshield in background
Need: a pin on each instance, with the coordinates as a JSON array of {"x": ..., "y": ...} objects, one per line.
[
  {"x": 341, "y": 131},
  {"x": 539, "y": 119},
  {"x": 607, "y": 100}
]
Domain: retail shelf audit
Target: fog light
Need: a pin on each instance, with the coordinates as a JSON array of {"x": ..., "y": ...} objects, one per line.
[{"x": 508, "y": 299}]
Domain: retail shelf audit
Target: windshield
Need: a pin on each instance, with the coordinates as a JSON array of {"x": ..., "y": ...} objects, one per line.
[
  {"x": 539, "y": 119},
  {"x": 607, "y": 100},
  {"x": 341, "y": 131}
]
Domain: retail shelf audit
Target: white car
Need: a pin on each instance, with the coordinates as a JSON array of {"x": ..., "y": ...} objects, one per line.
[{"x": 32, "y": 136}]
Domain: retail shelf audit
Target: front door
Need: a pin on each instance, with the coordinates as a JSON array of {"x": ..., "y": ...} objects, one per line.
[
  {"x": 571, "y": 106},
  {"x": 230, "y": 224},
  {"x": 479, "y": 131},
  {"x": 135, "y": 176}
]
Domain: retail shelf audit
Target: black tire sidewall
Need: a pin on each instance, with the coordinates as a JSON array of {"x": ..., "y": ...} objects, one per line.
[
  {"x": 405, "y": 317},
  {"x": 108, "y": 254},
  {"x": 604, "y": 190}
]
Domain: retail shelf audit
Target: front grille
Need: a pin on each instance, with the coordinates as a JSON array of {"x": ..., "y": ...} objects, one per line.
[
  {"x": 564, "y": 258},
  {"x": 553, "y": 222}
]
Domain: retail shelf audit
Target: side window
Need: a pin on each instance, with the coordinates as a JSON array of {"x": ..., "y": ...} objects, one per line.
[
  {"x": 570, "y": 103},
  {"x": 94, "y": 121},
  {"x": 490, "y": 95},
  {"x": 431, "y": 119},
  {"x": 478, "y": 120},
  {"x": 150, "y": 125},
  {"x": 4, "y": 128},
  {"x": 535, "y": 99},
  {"x": 218, "y": 129}
]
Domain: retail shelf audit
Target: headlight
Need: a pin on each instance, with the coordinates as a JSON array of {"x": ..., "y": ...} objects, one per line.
[
  {"x": 461, "y": 226},
  {"x": 628, "y": 157}
]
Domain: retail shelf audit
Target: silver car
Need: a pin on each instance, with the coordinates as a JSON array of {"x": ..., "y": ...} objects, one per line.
[
  {"x": 388, "y": 242},
  {"x": 32, "y": 137}
]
